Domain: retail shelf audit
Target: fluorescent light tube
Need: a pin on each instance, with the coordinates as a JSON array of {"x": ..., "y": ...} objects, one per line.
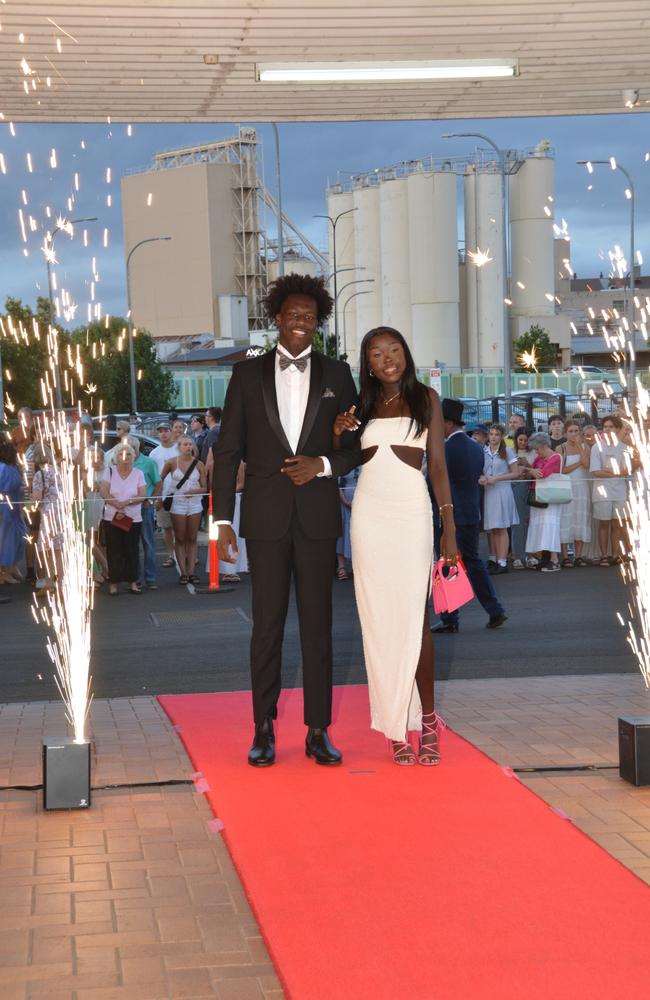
[{"x": 375, "y": 72}]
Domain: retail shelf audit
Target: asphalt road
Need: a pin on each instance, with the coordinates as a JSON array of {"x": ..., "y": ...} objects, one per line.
[{"x": 173, "y": 641}]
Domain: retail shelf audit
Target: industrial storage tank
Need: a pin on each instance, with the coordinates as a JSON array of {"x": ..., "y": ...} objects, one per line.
[
  {"x": 394, "y": 255},
  {"x": 433, "y": 268},
  {"x": 532, "y": 193},
  {"x": 339, "y": 201},
  {"x": 364, "y": 311},
  {"x": 484, "y": 288}
]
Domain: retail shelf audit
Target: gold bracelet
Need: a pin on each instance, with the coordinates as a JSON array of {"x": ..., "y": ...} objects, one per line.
[{"x": 440, "y": 510}]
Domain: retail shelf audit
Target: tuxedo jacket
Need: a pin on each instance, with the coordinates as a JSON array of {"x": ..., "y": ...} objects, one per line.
[
  {"x": 251, "y": 431},
  {"x": 465, "y": 460}
]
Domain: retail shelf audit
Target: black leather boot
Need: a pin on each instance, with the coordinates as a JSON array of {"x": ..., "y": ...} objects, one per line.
[
  {"x": 319, "y": 746},
  {"x": 262, "y": 752}
]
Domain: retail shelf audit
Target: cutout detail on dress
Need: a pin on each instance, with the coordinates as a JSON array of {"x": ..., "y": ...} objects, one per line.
[
  {"x": 409, "y": 455},
  {"x": 368, "y": 453}
]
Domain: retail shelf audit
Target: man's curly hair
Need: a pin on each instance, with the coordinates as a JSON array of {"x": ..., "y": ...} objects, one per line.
[{"x": 298, "y": 284}]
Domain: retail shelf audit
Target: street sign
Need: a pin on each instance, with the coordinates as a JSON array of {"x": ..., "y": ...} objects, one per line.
[{"x": 435, "y": 379}]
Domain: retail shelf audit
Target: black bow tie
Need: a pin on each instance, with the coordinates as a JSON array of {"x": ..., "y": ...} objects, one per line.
[{"x": 300, "y": 363}]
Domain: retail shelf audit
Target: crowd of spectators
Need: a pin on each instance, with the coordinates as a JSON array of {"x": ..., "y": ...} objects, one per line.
[
  {"x": 127, "y": 498},
  {"x": 125, "y": 490},
  {"x": 590, "y": 529}
]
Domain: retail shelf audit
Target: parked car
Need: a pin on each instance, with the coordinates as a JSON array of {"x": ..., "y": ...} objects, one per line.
[
  {"x": 72, "y": 416},
  {"x": 544, "y": 403},
  {"x": 480, "y": 411},
  {"x": 547, "y": 401},
  {"x": 587, "y": 369},
  {"x": 108, "y": 440},
  {"x": 602, "y": 388}
]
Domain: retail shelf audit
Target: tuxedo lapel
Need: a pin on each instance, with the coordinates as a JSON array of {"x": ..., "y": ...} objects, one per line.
[
  {"x": 271, "y": 399},
  {"x": 313, "y": 400}
]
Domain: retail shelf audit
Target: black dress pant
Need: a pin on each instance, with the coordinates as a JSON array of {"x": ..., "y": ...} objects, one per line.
[
  {"x": 272, "y": 564},
  {"x": 122, "y": 552}
]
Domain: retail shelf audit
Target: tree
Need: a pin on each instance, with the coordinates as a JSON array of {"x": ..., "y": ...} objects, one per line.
[
  {"x": 105, "y": 355},
  {"x": 93, "y": 360},
  {"x": 23, "y": 342},
  {"x": 545, "y": 352}
]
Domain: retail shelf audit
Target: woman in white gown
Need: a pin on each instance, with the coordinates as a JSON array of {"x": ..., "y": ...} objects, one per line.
[
  {"x": 400, "y": 421},
  {"x": 575, "y": 519}
]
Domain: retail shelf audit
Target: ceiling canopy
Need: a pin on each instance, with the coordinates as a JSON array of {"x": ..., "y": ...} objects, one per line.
[{"x": 158, "y": 60}]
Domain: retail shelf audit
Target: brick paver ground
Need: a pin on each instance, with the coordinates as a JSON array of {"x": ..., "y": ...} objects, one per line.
[
  {"x": 133, "y": 899},
  {"x": 137, "y": 899}
]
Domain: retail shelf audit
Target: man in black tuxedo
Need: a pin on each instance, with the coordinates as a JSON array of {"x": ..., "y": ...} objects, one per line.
[
  {"x": 465, "y": 460},
  {"x": 278, "y": 418}
]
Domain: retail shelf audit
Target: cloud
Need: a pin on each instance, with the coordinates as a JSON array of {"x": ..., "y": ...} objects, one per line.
[{"x": 311, "y": 153}]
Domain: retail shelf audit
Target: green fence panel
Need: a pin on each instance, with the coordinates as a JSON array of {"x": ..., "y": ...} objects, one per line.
[{"x": 207, "y": 386}]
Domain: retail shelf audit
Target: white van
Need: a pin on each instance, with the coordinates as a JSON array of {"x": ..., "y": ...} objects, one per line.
[{"x": 601, "y": 388}]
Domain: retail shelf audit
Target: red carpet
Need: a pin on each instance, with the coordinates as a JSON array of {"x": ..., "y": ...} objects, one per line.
[{"x": 371, "y": 881}]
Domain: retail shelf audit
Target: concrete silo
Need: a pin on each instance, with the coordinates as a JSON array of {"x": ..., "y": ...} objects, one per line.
[
  {"x": 532, "y": 190},
  {"x": 364, "y": 311},
  {"x": 484, "y": 231},
  {"x": 339, "y": 201},
  {"x": 394, "y": 255},
  {"x": 433, "y": 268}
]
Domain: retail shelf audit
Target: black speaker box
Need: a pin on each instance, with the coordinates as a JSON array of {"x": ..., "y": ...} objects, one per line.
[
  {"x": 634, "y": 749},
  {"x": 66, "y": 773}
]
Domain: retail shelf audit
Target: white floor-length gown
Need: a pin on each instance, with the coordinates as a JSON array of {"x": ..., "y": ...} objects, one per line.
[
  {"x": 391, "y": 513},
  {"x": 575, "y": 523}
]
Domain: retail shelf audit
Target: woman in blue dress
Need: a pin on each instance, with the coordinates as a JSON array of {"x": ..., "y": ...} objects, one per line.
[
  {"x": 499, "y": 507},
  {"x": 12, "y": 527}
]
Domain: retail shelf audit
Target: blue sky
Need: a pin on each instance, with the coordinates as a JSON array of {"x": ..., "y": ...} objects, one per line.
[{"x": 311, "y": 153}]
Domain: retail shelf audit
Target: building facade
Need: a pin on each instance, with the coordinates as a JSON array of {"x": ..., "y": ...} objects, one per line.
[{"x": 206, "y": 199}]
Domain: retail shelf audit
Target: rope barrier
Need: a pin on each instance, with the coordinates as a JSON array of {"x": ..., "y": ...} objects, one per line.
[{"x": 347, "y": 490}]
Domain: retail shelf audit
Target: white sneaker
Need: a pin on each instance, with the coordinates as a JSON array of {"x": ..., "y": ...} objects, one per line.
[{"x": 517, "y": 564}]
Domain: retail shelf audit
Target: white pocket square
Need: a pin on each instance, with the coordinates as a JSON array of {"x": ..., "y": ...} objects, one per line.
[{"x": 328, "y": 394}]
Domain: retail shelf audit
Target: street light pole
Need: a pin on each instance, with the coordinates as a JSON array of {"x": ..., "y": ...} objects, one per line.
[
  {"x": 507, "y": 347},
  {"x": 333, "y": 222},
  {"x": 348, "y": 300},
  {"x": 134, "y": 394},
  {"x": 357, "y": 281},
  {"x": 341, "y": 270},
  {"x": 278, "y": 179},
  {"x": 615, "y": 165},
  {"x": 57, "y": 371}
]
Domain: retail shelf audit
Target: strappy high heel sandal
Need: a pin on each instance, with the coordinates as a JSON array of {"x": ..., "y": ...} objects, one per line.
[
  {"x": 429, "y": 750},
  {"x": 403, "y": 753}
]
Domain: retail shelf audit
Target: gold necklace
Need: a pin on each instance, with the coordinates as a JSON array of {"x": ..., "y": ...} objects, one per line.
[{"x": 387, "y": 401}]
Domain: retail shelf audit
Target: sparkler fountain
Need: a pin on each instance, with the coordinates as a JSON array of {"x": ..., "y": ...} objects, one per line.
[
  {"x": 66, "y": 610},
  {"x": 634, "y": 732},
  {"x": 637, "y": 571},
  {"x": 65, "y": 546}
]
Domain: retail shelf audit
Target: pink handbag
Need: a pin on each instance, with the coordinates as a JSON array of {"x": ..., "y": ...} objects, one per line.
[{"x": 452, "y": 591}]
